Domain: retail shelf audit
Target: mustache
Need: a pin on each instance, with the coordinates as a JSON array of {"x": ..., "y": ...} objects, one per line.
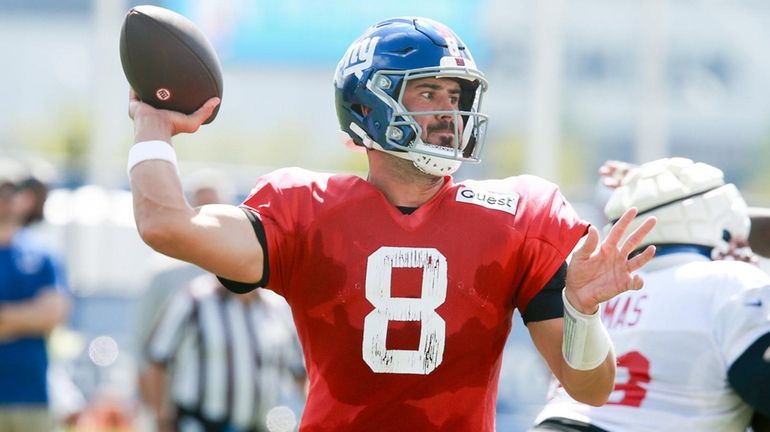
[{"x": 441, "y": 126}]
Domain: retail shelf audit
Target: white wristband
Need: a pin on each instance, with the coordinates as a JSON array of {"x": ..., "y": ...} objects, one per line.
[
  {"x": 151, "y": 150},
  {"x": 586, "y": 342}
]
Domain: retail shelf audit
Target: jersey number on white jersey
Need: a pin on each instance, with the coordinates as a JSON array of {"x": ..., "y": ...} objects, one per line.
[
  {"x": 387, "y": 308},
  {"x": 631, "y": 381}
]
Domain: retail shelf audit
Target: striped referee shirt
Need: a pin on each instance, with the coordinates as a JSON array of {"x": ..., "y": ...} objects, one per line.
[{"x": 228, "y": 356}]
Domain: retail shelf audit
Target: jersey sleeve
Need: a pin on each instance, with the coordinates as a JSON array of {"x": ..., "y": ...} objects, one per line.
[
  {"x": 282, "y": 201},
  {"x": 742, "y": 312},
  {"x": 551, "y": 229},
  {"x": 547, "y": 303},
  {"x": 259, "y": 231}
]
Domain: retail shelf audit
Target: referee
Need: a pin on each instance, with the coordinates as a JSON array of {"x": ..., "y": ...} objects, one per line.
[{"x": 220, "y": 361}]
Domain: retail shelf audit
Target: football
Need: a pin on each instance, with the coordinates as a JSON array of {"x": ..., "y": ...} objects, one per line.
[{"x": 168, "y": 61}]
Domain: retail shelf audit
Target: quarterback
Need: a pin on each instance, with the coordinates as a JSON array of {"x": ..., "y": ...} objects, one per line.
[{"x": 402, "y": 284}]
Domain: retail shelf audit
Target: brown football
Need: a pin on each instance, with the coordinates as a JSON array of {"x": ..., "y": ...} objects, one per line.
[{"x": 168, "y": 61}]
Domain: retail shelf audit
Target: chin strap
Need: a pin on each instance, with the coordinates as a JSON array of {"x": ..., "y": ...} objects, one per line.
[
  {"x": 428, "y": 164},
  {"x": 435, "y": 165}
]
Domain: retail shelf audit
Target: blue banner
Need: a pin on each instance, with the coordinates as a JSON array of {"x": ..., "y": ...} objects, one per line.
[{"x": 313, "y": 32}]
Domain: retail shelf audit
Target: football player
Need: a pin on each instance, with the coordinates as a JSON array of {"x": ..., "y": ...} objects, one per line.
[
  {"x": 403, "y": 284},
  {"x": 693, "y": 346}
]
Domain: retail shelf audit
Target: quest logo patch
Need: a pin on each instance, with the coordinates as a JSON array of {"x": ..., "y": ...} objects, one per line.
[{"x": 506, "y": 202}]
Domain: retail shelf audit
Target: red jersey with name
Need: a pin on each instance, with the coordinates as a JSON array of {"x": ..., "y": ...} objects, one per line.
[{"x": 403, "y": 318}]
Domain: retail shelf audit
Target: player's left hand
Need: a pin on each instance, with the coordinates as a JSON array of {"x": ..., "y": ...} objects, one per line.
[{"x": 598, "y": 272}]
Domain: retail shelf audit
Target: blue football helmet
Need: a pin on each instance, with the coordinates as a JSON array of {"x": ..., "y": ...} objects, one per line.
[{"x": 373, "y": 73}]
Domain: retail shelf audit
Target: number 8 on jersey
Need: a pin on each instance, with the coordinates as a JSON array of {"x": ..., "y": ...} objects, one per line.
[{"x": 387, "y": 308}]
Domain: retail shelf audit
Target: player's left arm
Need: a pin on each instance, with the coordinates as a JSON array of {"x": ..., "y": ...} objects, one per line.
[
  {"x": 760, "y": 423},
  {"x": 749, "y": 375},
  {"x": 591, "y": 386},
  {"x": 577, "y": 347}
]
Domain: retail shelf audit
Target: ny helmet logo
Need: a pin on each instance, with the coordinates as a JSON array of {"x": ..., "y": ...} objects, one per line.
[{"x": 358, "y": 58}]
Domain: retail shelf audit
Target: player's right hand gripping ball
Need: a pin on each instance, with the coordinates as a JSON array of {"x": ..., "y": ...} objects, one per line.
[{"x": 168, "y": 61}]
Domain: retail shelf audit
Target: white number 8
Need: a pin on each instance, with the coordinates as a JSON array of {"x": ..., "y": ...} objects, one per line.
[{"x": 379, "y": 268}]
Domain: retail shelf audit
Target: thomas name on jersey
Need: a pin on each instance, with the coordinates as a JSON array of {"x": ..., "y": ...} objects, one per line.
[{"x": 623, "y": 311}]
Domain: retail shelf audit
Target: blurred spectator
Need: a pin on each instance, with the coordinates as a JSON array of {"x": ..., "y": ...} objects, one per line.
[
  {"x": 107, "y": 411},
  {"x": 36, "y": 182},
  {"x": 66, "y": 399},
  {"x": 219, "y": 360},
  {"x": 37, "y": 177},
  {"x": 692, "y": 346},
  {"x": 33, "y": 301}
]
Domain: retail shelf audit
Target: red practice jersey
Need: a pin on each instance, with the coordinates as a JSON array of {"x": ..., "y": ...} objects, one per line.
[{"x": 403, "y": 318}]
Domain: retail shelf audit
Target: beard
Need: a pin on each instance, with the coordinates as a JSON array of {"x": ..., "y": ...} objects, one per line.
[{"x": 444, "y": 127}]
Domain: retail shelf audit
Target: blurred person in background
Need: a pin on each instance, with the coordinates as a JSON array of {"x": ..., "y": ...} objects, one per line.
[
  {"x": 693, "y": 346},
  {"x": 36, "y": 179},
  {"x": 33, "y": 301},
  {"x": 106, "y": 411},
  {"x": 402, "y": 285},
  {"x": 36, "y": 182},
  {"x": 66, "y": 400},
  {"x": 219, "y": 362}
]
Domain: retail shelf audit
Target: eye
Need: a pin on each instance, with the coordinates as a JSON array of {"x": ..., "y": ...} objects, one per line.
[
  {"x": 454, "y": 100},
  {"x": 427, "y": 95}
]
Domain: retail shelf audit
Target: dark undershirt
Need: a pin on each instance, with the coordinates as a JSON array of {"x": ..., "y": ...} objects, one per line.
[{"x": 547, "y": 304}]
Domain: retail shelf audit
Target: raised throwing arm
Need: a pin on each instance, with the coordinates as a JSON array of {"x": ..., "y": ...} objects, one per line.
[{"x": 218, "y": 238}]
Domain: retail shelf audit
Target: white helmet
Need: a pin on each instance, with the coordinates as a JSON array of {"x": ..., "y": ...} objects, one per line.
[{"x": 691, "y": 201}]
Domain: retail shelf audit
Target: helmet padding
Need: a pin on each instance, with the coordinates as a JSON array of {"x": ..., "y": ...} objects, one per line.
[{"x": 691, "y": 201}]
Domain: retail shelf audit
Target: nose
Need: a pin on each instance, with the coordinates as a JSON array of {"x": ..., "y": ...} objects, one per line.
[
  {"x": 446, "y": 103},
  {"x": 446, "y": 107}
]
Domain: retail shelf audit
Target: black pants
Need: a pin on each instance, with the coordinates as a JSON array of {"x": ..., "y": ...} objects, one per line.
[{"x": 559, "y": 424}]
